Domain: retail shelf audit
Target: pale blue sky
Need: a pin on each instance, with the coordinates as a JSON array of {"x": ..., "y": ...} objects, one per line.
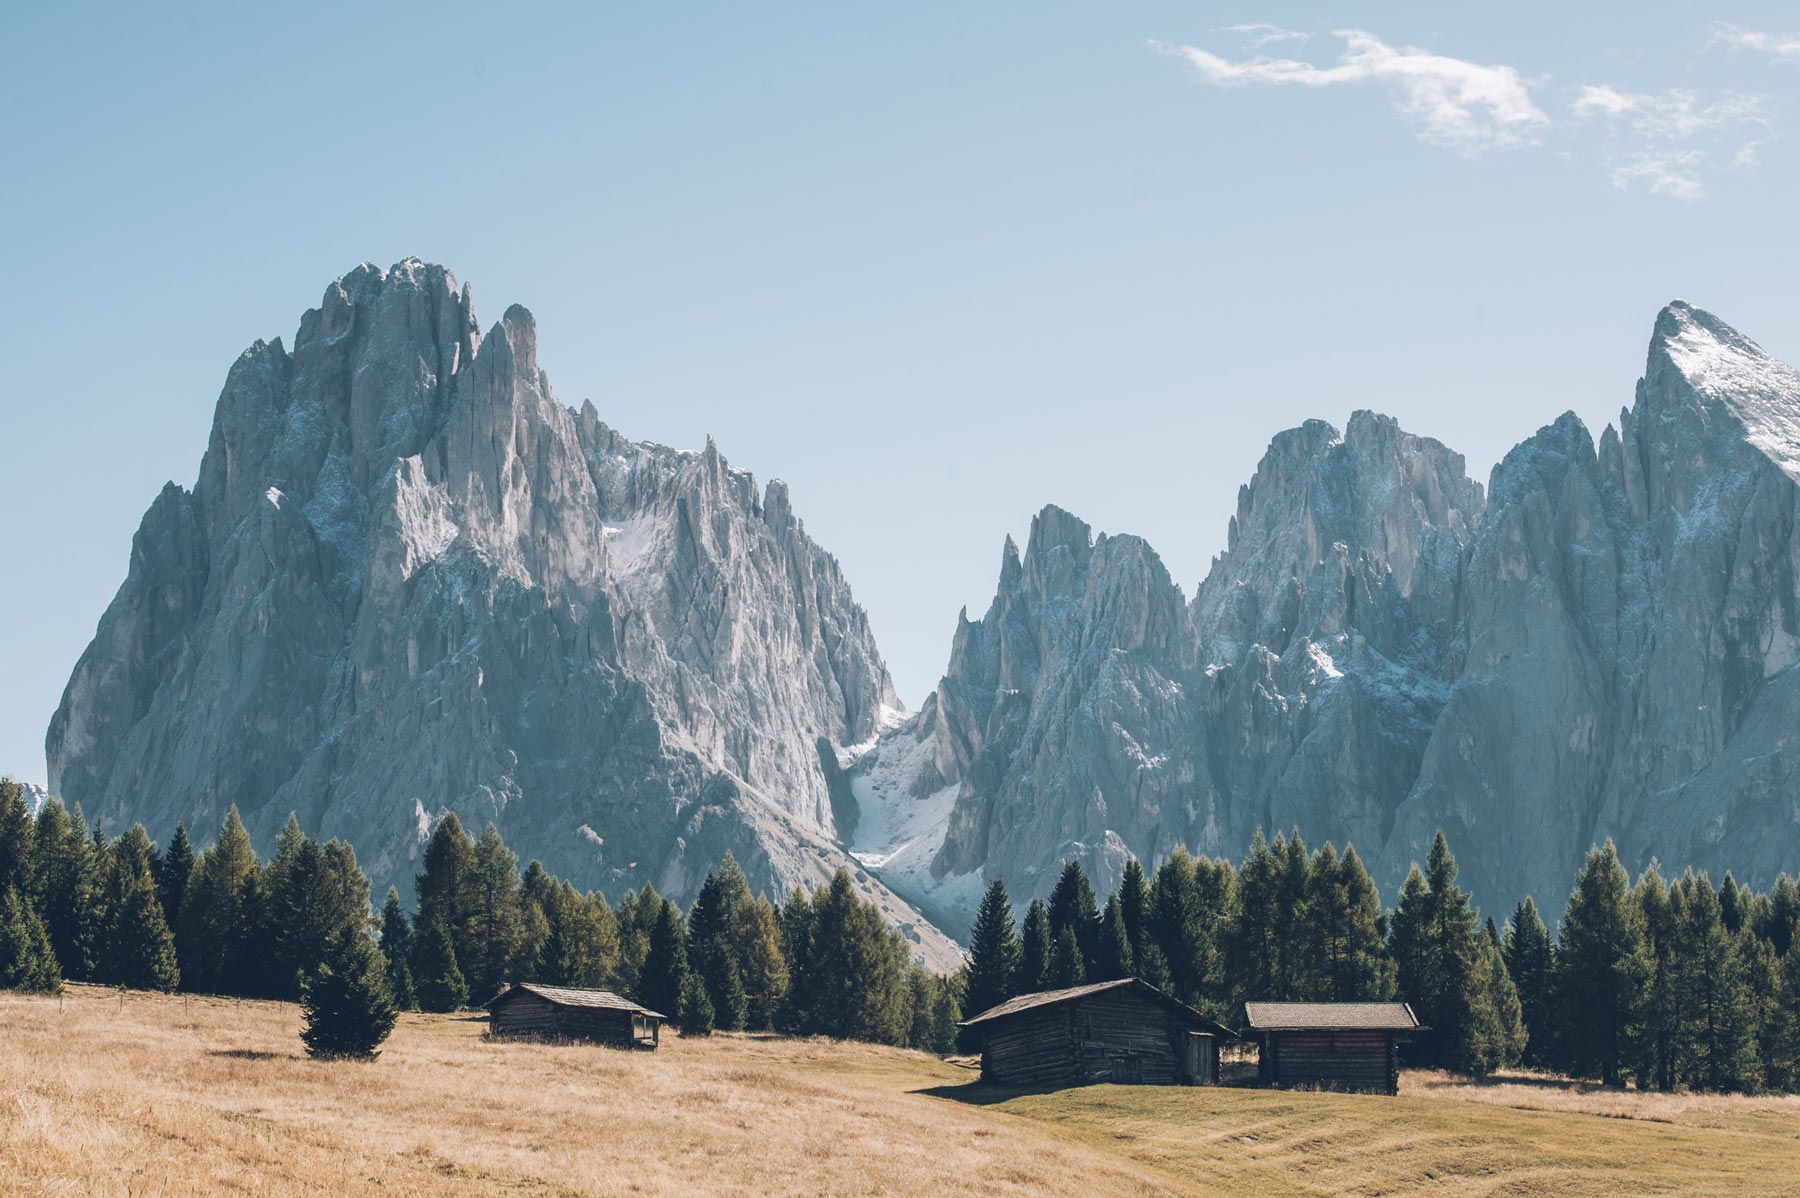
[{"x": 935, "y": 266}]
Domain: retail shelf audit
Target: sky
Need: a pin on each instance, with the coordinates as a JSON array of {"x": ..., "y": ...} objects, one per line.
[{"x": 934, "y": 265}]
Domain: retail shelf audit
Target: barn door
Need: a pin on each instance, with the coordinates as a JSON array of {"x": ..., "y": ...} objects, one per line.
[{"x": 1125, "y": 1071}]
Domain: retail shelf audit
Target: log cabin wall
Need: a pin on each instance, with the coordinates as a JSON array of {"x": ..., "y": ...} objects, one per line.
[
  {"x": 1032, "y": 1050},
  {"x": 1342, "y": 1060}
]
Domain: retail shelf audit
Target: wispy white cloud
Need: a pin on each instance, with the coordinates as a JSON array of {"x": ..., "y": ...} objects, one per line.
[
  {"x": 1675, "y": 174},
  {"x": 1674, "y": 115},
  {"x": 1467, "y": 106},
  {"x": 1781, "y": 45},
  {"x": 1258, "y": 34},
  {"x": 1657, "y": 132}
]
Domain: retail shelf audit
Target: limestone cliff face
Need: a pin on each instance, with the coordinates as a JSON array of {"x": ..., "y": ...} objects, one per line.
[
  {"x": 408, "y": 580},
  {"x": 1604, "y": 645}
]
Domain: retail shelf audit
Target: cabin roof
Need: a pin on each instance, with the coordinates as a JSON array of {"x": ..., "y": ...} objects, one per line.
[
  {"x": 566, "y": 996},
  {"x": 1331, "y": 1016},
  {"x": 1050, "y": 998}
]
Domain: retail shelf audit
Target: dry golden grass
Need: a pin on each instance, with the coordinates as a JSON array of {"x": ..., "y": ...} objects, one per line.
[{"x": 158, "y": 1095}]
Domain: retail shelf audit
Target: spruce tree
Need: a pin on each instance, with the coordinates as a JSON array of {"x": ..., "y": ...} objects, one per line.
[
  {"x": 1136, "y": 905},
  {"x": 27, "y": 962},
  {"x": 66, "y": 884},
  {"x": 1734, "y": 904},
  {"x": 795, "y": 1014},
  {"x": 1177, "y": 928},
  {"x": 765, "y": 967},
  {"x": 636, "y": 916},
  {"x": 1258, "y": 937},
  {"x": 1115, "y": 956},
  {"x": 449, "y": 891},
  {"x": 1066, "y": 967},
  {"x": 1364, "y": 971},
  {"x": 1782, "y": 927},
  {"x": 174, "y": 870},
  {"x": 1529, "y": 961},
  {"x": 993, "y": 951},
  {"x": 1034, "y": 950},
  {"x": 712, "y": 945},
  {"x": 665, "y": 964},
  {"x": 1497, "y": 1036},
  {"x": 696, "y": 1007},
  {"x": 220, "y": 916},
  {"x": 15, "y": 838},
  {"x": 396, "y": 952},
  {"x": 1657, "y": 1029},
  {"x": 136, "y": 947},
  {"x": 1291, "y": 966},
  {"x": 1603, "y": 969},
  {"x": 858, "y": 968},
  {"x": 438, "y": 981},
  {"x": 1715, "y": 1046},
  {"x": 498, "y": 924},
  {"x": 345, "y": 1005},
  {"x": 1073, "y": 906}
]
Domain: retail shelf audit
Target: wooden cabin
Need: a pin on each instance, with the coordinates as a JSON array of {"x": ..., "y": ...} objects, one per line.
[
  {"x": 1123, "y": 1031},
  {"x": 1331, "y": 1045},
  {"x": 526, "y": 1009}
]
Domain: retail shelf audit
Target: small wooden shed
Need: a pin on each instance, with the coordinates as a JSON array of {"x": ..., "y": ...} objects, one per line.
[
  {"x": 1332, "y": 1045},
  {"x": 527, "y": 1009},
  {"x": 1121, "y": 1031}
]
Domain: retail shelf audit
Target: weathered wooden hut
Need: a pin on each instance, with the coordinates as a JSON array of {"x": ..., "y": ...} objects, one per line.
[
  {"x": 1122, "y": 1031},
  {"x": 1332, "y": 1045},
  {"x": 527, "y": 1009}
]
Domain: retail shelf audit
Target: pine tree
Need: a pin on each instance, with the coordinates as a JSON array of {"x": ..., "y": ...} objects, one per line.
[
  {"x": 1603, "y": 969},
  {"x": 1073, "y": 906},
  {"x": 1529, "y": 960},
  {"x": 498, "y": 925},
  {"x": 396, "y": 952},
  {"x": 220, "y": 916},
  {"x": 136, "y": 948},
  {"x": 1115, "y": 956},
  {"x": 1066, "y": 968},
  {"x": 666, "y": 963},
  {"x": 696, "y": 1007},
  {"x": 15, "y": 838},
  {"x": 438, "y": 981},
  {"x": 174, "y": 870},
  {"x": 993, "y": 951},
  {"x": 1034, "y": 950},
  {"x": 344, "y": 1001},
  {"x": 27, "y": 962}
]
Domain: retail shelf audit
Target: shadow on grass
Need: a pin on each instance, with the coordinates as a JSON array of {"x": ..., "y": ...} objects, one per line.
[
  {"x": 251, "y": 1054},
  {"x": 976, "y": 1093}
]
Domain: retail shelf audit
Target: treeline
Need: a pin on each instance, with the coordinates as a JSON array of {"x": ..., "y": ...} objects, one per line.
[
  {"x": 299, "y": 926},
  {"x": 1670, "y": 986},
  {"x": 1666, "y": 984}
]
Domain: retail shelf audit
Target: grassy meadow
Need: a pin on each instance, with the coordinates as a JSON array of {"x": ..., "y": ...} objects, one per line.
[{"x": 156, "y": 1095}]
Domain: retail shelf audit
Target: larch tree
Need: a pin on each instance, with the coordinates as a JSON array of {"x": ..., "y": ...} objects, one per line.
[
  {"x": 498, "y": 931},
  {"x": 438, "y": 980},
  {"x": 220, "y": 917}
]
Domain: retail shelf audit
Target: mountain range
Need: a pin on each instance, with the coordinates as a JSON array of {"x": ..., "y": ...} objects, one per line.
[{"x": 408, "y": 580}]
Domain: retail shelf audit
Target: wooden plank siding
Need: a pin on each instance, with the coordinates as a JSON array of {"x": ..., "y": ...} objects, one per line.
[
  {"x": 1366, "y": 1060},
  {"x": 1119, "y": 1035},
  {"x": 526, "y": 1015}
]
